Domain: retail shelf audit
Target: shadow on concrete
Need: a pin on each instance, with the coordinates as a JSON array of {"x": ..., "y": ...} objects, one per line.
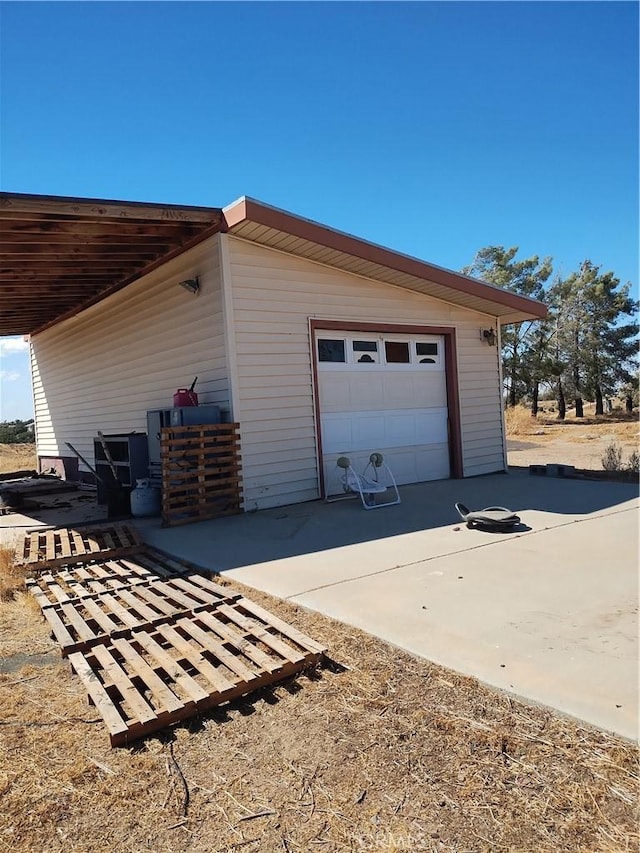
[{"x": 291, "y": 531}]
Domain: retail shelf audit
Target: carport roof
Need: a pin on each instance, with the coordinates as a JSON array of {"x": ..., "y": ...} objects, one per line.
[{"x": 59, "y": 255}]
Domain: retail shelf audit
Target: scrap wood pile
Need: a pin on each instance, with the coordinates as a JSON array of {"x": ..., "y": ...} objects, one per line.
[{"x": 153, "y": 640}]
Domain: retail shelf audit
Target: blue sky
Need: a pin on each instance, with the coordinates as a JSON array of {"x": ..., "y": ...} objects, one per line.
[{"x": 432, "y": 128}]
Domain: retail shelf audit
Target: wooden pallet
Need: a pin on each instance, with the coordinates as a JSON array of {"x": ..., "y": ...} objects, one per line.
[
  {"x": 85, "y": 579},
  {"x": 200, "y": 472},
  {"x": 79, "y": 624},
  {"x": 47, "y": 548},
  {"x": 164, "y": 673}
]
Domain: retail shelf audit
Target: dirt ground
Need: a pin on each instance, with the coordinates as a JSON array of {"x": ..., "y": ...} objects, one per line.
[
  {"x": 376, "y": 751},
  {"x": 581, "y": 442},
  {"x": 17, "y": 457}
]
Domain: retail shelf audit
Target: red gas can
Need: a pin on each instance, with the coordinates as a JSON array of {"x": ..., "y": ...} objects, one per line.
[{"x": 186, "y": 396}]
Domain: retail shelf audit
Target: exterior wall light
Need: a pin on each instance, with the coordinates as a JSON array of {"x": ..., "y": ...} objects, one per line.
[
  {"x": 489, "y": 336},
  {"x": 192, "y": 285}
]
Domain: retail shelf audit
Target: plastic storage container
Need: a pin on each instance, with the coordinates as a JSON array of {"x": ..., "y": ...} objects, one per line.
[{"x": 145, "y": 500}]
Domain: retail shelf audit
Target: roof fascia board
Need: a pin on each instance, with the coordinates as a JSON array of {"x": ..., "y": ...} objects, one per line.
[
  {"x": 248, "y": 209},
  {"x": 97, "y": 208}
]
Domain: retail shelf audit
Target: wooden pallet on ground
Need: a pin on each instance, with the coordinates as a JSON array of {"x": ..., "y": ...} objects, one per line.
[
  {"x": 164, "y": 673},
  {"x": 82, "y": 579},
  {"x": 153, "y": 639},
  {"x": 201, "y": 476},
  {"x": 80, "y": 623},
  {"x": 46, "y": 548}
]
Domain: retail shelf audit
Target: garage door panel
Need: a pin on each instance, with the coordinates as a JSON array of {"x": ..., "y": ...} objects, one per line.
[
  {"x": 432, "y": 463},
  {"x": 336, "y": 433},
  {"x": 431, "y": 426},
  {"x": 344, "y": 433},
  {"x": 400, "y": 391},
  {"x": 335, "y": 393},
  {"x": 365, "y": 390},
  {"x": 369, "y": 430}
]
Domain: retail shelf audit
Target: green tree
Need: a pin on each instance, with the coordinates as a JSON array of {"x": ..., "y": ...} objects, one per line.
[
  {"x": 525, "y": 346},
  {"x": 597, "y": 347},
  {"x": 16, "y": 432}
]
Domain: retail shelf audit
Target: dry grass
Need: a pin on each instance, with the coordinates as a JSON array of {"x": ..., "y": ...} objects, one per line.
[
  {"x": 12, "y": 575},
  {"x": 392, "y": 754},
  {"x": 519, "y": 421},
  {"x": 17, "y": 457}
]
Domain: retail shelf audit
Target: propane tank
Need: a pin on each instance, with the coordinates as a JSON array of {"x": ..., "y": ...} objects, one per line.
[{"x": 145, "y": 500}]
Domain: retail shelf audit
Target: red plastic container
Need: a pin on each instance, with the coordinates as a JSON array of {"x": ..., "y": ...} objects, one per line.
[{"x": 185, "y": 397}]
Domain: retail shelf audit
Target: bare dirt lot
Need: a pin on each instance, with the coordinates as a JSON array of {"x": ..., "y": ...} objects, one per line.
[
  {"x": 392, "y": 753},
  {"x": 17, "y": 457},
  {"x": 581, "y": 442},
  {"x": 378, "y": 751}
]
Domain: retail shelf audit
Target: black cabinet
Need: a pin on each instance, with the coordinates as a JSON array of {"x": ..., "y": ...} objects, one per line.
[{"x": 130, "y": 459}]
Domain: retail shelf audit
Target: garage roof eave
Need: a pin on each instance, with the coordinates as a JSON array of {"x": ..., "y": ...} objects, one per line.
[{"x": 273, "y": 227}]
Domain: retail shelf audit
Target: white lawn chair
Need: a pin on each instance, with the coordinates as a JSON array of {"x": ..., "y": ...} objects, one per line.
[{"x": 376, "y": 479}]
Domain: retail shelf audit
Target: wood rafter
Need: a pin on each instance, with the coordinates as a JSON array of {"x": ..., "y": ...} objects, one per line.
[{"x": 59, "y": 255}]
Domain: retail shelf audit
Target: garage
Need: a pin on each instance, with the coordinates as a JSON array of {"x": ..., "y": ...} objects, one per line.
[{"x": 383, "y": 391}]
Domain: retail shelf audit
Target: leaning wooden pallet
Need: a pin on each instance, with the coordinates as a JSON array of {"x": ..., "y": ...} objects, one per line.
[{"x": 201, "y": 476}]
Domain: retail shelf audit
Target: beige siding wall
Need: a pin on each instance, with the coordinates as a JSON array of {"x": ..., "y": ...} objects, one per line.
[
  {"x": 274, "y": 295},
  {"x": 103, "y": 369}
]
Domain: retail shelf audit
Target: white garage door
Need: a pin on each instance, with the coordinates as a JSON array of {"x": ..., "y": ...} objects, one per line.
[{"x": 383, "y": 393}]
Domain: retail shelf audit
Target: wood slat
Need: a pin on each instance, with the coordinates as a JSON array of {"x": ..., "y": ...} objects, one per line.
[
  {"x": 142, "y": 710},
  {"x": 104, "y": 705},
  {"x": 260, "y": 632}
]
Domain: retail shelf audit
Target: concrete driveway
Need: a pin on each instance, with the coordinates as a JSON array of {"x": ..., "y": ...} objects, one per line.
[{"x": 548, "y": 612}]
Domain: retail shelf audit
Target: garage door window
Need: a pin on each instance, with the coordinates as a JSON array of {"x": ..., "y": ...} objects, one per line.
[
  {"x": 427, "y": 352},
  {"x": 331, "y": 350},
  {"x": 380, "y": 353},
  {"x": 365, "y": 352},
  {"x": 397, "y": 352}
]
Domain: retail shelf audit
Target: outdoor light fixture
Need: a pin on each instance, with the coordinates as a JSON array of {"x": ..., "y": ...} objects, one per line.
[
  {"x": 191, "y": 284},
  {"x": 489, "y": 336}
]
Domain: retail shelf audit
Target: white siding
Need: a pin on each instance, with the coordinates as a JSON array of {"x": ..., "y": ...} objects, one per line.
[
  {"x": 274, "y": 295},
  {"x": 104, "y": 368}
]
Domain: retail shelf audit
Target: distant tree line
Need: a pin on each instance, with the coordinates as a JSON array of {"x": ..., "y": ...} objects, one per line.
[
  {"x": 17, "y": 432},
  {"x": 587, "y": 347}
]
